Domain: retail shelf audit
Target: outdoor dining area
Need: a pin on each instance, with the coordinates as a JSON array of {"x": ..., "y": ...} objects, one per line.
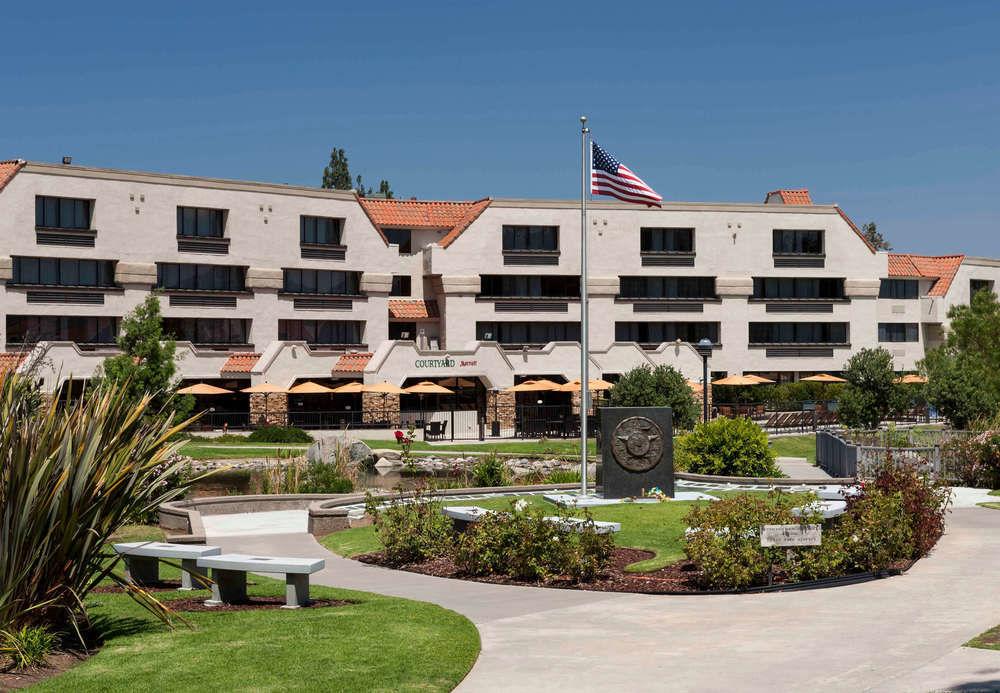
[{"x": 545, "y": 408}]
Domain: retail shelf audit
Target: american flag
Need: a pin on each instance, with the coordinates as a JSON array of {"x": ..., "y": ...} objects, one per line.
[{"x": 610, "y": 177}]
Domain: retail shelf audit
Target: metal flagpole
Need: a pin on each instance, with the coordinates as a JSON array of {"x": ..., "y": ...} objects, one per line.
[{"x": 584, "y": 339}]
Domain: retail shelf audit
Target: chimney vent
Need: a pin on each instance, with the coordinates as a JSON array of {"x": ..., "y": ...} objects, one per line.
[{"x": 67, "y": 160}]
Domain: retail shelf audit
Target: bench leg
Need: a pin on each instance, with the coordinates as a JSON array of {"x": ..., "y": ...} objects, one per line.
[
  {"x": 228, "y": 587},
  {"x": 142, "y": 570},
  {"x": 190, "y": 569},
  {"x": 296, "y": 590}
]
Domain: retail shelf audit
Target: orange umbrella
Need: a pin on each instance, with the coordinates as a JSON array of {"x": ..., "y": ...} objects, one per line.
[
  {"x": 592, "y": 384},
  {"x": 384, "y": 388},
  {"x": 697, "y": 387},
  {"x": 823, "y": 378},
  {"x": 351, "y": 388},
  {"x": 540, "y": 385},
  {"x": 203, "y": 389},
  {"x": 911, "y": 379},
  {"x": 263, "y": 389},
  {"x": 426, "y": 387},
  {"x": 742, "y": 380},
  {"x": 309, "y": 388}
]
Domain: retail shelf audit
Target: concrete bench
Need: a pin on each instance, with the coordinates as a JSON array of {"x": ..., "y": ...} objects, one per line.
[
  {"x": 229, "y": 575},
  {"x": 828, "y": 508},
  {"x": 464, "y": 515},
  {"x": 142, "y": 560},
  {"x": 832, "y": 492}
]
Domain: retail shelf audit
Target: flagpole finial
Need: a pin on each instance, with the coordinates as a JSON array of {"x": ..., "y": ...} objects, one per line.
[{"x": 583, "y": 123}]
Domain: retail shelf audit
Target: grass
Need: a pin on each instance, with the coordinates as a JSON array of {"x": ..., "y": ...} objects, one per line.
[
  {"x": 990, "y": 640},
  {"x": 995, "y": 492},
  {"x": 795, "y": 446},
  {"x": 654, "y": 527},
  {"x": 209, "y": 450},
  {"x": 376, "y": 644},
  {"x": 549, "y": 447}
]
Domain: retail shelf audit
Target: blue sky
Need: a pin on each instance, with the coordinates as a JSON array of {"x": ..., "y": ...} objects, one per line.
[{"x": 889, "y": 108}]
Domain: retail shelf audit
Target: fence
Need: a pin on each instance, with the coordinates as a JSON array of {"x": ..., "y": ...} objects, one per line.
[{"x": 857, "y": 453}]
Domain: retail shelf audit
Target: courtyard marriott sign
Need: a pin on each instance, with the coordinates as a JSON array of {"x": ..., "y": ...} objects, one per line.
[{"x": 446, "y": 362}]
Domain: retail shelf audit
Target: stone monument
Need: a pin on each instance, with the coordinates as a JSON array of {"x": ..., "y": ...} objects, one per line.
[{"x": 637, "y": 451}]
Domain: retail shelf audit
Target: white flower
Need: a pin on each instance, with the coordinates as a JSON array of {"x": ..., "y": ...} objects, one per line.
[{"x": 520, "y": 504}]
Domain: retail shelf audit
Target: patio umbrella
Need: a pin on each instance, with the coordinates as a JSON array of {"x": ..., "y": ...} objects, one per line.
[
  {"x": 203, "y": 389},
  {"x": 264, "y": 389},
  {"x": 351, "y": 388},
  {"x": 911, "y": 379},
  {"x": 823, "y": 378},
  {"x": 309, "y": 388},
  {"x": 384, "y": 388},
  {"x": 695, "y": 387},
  {"x": 540, "y": 385},
  {"x": 457, "y": 382},
  {"x": 742, "y": 380},
  {"x": 592, "y": 384},
  {"x": 426, "y": 387}
]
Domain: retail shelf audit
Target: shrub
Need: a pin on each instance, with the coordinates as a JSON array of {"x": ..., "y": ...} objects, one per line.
[
  {"x": 876, "y": 531},
  {"x": 562, "y": 476},
  {"x": 974, "y": 460},
  {"x": 26, "y": 647},
  {"x": 490, "y": 470},
  {"x": 871, "y": 392},
  {"x": 662, "y": 386},
  {"x": 523, "y": 545},
  {"x": 727, "y": 447},
  {"x": 324, "y": 477},
  {"x": 279, "y": 434},
  {"x": 724, "y": 539},
  {"x": 410, "y": 530}
]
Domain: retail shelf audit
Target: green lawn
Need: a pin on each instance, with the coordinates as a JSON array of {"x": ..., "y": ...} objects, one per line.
[
  {"x": 655, "y": 527},
  {"x": 990, "y": 640},
  {"x": 549, "y": 447},
  {"x": 201, "y": 449},
  {"x": 995, "y": 492},
  {"x": 377, "y": 644},
  {"x": 795, "y": 446}
]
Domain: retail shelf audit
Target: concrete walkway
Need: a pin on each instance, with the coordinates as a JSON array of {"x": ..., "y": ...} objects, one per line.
[
  {"x": 899, "y": 634},
  {"x": 800, "y": 468}
]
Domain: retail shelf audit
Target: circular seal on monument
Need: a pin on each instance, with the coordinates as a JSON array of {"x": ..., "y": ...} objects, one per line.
[{"x": 637, "y": 444}]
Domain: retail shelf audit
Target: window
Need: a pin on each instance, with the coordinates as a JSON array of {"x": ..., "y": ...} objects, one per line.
[
  {"x": 530, "y": 239},
  {"x": 208, "y": 330},
  {"x": 52, "y": 271},
  {"x": 403, "y": 330},
  {"x": 658, "y": 332},
  {"x": 977, "y": 285},
  {"x": 798, "y": 333},
  {"x": 401, "y": 237},
  {"x": 899, "y": 288},
  {"x": 797, "y": 287},
  {"x": 173, "y": 275},
  {"x": 798, "y": 242},
  {"x": 322, "y": 332},
  {"x": 401, "y": 285},
  {"x": 897, "y": 332},
  {"x": 328, "y": 282},
  {"x": 668, "y": 287},
  {"x": 528, "y": 333},
  {"x": 201, "y": 222},
  {"x": 320, "y": 230},
  {"x": 62, "y": 212},
  {"x": 657, "y": 240},
  {"x": 29, "y": 329},
  {"x": 529, "y": 286}
]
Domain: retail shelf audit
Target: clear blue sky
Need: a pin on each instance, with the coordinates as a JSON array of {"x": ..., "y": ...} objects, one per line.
[{"x": 888, "y": 108}]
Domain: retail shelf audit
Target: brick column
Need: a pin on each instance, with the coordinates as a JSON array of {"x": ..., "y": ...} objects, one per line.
[
  {"x": 500, "y": 407},
  {"x": 701, "y": 405},
  {"x": 270, "y": 409},
  {"x": 376, "y": 407},
  {"x": 576, "y": 398}
]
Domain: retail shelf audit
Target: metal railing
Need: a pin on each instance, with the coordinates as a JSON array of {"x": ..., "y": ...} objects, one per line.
[{"x": 856, "y": 453}]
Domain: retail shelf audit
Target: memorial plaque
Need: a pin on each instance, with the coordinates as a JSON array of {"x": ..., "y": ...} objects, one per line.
[
  {"x": 637, "y": 451},
  {"x": 791, "y": 535}
]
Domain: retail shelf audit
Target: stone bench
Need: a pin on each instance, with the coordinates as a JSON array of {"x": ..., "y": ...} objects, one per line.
[
  {"x": 229, "y": 575},
  {"x": 833, "y": 492},
  {"x": 828, "y": 508},
  {"x": 142, "y": 560},
  {"x": 464, "y": 515}
]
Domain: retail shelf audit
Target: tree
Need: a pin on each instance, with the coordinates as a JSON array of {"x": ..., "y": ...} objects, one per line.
[
  {"x": 871, "y": 391},
  {"x": 662, "y": 386},
  {"x": 964, "y": 373},
  {"x": 873, "y": 236},
  {"x": 146, "y": 364},
  {"x": 337, "y": 175}
]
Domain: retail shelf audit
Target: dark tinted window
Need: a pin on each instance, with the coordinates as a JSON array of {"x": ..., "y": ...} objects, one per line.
[
  {"x": 331, "y": 282},
  {"x": 798, "y": 242},
  {"x": 62, "y": 212},
  {"x": 208, "y": 330},
  {"x": 659, "y": 332},
  {"x": 28, "y": 329},
  {"x": 662, "y": 240},
  {"x": 528, "y": 333},
  {"x": 401, "y": 237},
  {"x": 201, "y": 221},
  {"x": 977, "y": 285},
  {"x": 667, "y": 287},
  {"x": 320, "y": 230},
  {"x": 530, "y": 286},
  {"x": 173, "y": 275},
  {"x": 797, "y": 287},
  {"x": 798, "y": 333},
  {"x": 897, "y": 332},
  {"x": 531, "y": 238},
  {"x": 63, "y": 271},
  {"x": 899, "y": 288},
  {"x": 322, "y": 332},
  {"x": 401, "y": 285}
]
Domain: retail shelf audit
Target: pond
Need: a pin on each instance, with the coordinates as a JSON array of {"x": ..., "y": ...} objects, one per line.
[{"x": 238, "y": 482}]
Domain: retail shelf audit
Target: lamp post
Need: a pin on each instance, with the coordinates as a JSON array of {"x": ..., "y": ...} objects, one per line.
[{"x": 704, "y": 349}]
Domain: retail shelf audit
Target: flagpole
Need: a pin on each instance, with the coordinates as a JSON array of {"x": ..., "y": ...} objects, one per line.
[{"x": 584, "y": 337}]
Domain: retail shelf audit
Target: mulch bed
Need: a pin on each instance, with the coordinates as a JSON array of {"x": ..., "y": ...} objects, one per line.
[
  {"x": 57, "y": 664},
  {"x": 677, "y": 578}
]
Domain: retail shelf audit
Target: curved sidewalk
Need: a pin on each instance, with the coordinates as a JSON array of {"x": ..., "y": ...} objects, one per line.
[{"x": 899, "y": 634}]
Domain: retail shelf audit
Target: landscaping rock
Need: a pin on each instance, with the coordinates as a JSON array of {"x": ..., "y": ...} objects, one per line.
[
  {"x": 359, "y": 453},
  {"x": 386, "y": 453},
  {"x": 384, "y": 464}
]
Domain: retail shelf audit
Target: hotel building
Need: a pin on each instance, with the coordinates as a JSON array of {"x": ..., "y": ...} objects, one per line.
[{"x": 273, "y": 283}]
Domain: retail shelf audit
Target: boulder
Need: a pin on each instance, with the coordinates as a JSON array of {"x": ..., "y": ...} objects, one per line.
[
  {"x": 386, "y": 453},
  {"x": 359, "y": 453},
  {"x": 385, "y": 463}
]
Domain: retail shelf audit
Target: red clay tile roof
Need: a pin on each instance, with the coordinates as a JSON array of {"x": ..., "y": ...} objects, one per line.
[
  {"x": 454, "y": 217},
  {"x": 796, "y": 196},
  {"x": 10, "y": 360},
  {"x": 353, "y": 362},
  {"x": 413, "y": 309},
  {"x": 8, "y": 169},
  {"x": 242, "y": 362},
  {"x": 940, "y": 267}
]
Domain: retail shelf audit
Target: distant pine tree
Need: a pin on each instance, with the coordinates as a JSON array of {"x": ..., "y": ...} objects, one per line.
[
  {"x": 337, "y": 175},
  {"x": 873, "y": 236}
]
